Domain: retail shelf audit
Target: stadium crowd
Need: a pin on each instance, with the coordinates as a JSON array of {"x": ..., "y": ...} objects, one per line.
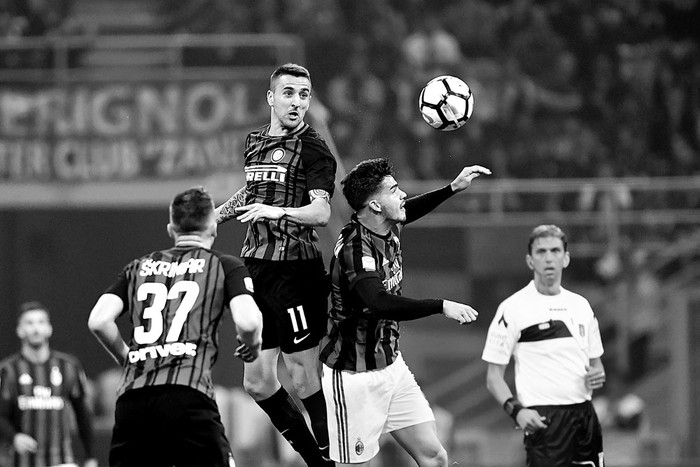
[{"x": 563, "y": 88}]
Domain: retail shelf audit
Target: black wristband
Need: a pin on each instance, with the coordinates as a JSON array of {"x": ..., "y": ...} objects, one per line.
[{"x": 512, "y": 406}]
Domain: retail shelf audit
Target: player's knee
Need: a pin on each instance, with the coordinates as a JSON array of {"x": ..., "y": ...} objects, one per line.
[
  {"x": 258, "y": 389},
  {"x": 435, "y": 457}
]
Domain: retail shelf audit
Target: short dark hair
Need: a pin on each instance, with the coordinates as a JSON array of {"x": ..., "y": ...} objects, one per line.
[
  {"x": 291, "y": 69},
  {"x": 191, "y": 209},
  {"x": 26, "y": 307},
  {"x": 364, "y": 180},
  {"x": 546, "y": 230}
]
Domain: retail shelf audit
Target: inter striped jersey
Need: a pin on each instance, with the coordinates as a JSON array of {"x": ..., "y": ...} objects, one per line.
[
  {"x": 356, "y": 339},
  {"x": 551, "y": 338},
  {"x": 176, "y": 300},
  {"x": 37, "y": 399},
  {"x": 280, "y": 171}
]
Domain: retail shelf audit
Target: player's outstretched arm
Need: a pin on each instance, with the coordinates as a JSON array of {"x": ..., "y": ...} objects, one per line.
[
  {"x": 248, "y": 321},
  {"x": 315, "y": 214},
  {"x": 465, "y": 177},
  {"x": 102, "y": 323},
  {"x": 227, "y": 210}
]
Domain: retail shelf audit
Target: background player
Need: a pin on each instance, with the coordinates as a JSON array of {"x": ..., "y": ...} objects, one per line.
[
  {"x": 290, "y": 176},
  {"x": 369, "y": 389},
  {"x": 166, "y": 414},
  {"x": 37, "y": 386},
  {"x": 555, "y": 336}
]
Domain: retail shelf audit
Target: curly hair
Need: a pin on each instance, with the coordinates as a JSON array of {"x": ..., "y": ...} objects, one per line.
[{"x": 364, "y": 180}]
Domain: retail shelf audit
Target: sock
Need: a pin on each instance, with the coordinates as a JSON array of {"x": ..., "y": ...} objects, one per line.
[
  {"x": 287, "y": 418},
  {"x": 316, "y": 407}
]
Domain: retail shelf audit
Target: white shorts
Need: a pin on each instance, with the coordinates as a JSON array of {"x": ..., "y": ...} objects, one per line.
[{"x": 363, "y": 405}]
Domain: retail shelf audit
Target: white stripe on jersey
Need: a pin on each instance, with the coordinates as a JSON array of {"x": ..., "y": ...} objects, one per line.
[{"x": 550, "y": 371}]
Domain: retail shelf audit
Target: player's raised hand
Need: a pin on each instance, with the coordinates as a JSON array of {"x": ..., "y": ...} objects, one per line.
[
  {"x": 247, "y": 353},
  {"x": 463, "y": 314},
  {"x": 258, "y": 211},
  {"x": 465, "y": 177}
]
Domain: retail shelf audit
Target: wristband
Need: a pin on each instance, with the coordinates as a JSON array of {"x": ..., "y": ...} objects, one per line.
[{"x": 512, "y": 406}]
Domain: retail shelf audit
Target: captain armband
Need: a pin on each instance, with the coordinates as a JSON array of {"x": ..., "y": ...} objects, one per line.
[
  {"x": 319, "y": 194},
  {"x": 512, "y": 406}
]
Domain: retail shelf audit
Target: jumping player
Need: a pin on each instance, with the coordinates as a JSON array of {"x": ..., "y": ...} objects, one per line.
[
  {"x": 368, "y": 387},
  {"x": 290, "y": 176}
]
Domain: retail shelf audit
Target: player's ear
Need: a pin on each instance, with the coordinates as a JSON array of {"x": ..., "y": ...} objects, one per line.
[
  {"x": 374, "y": 206},
  {"x": 567, "y": 258},
  {"x": 171, "y": 230},
  {"x": 270, "y": 98},
  {"x": 528, "y": 261}
]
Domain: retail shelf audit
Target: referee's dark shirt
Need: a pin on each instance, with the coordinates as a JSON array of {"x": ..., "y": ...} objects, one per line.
[
  {"x": 35, "y": 399},
  {"x": 280, "y": 171},
  {"x": 356, "y": 339},
  {"x": 176, "y": 299}
]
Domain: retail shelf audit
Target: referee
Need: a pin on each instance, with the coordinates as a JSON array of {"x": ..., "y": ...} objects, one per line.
[{"x": 552, "y": 334}]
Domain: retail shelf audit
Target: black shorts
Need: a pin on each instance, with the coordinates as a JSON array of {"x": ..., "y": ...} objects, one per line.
[
  {"x": 166, "y": 426},
  {"x": 293, "y": 299},
  {"x": 573, "y": 434}
]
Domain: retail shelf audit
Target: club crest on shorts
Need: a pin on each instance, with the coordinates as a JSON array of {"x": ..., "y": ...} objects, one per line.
[
  {"x": 581, "y": 330},
  {"x": 359, "y": 447}
]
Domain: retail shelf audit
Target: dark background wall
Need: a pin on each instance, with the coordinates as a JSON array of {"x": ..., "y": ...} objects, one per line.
[{"x": 67, "y": 258}]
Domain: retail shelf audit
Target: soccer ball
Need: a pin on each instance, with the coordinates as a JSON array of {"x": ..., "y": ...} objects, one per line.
[{"x": 446, "y": 103}]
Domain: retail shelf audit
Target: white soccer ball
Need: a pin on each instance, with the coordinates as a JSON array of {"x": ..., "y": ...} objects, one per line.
[{"x": 446, "y": 103}]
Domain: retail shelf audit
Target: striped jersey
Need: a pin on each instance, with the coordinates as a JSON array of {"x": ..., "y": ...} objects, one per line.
[
  {"x": 35, "y": 400},
  {"x": 176, "y": 300},
  {"x": 356, "y": 339},
  {"x": 280, "y": 171},
  {"x": 551, "y": 338}
]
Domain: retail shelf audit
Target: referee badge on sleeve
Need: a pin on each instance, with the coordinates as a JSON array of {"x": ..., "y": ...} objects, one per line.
[{"x": 368, "y": 263}]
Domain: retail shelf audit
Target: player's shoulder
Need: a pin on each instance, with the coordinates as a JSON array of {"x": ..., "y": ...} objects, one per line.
[
  {"x": 227, "y": 258},
  {"x": 310, "y": 137},
  {"x": 525, "y": 294},
  {"x": 10, "y": 360},
  {"x": 70, "y": 359},
  {"x": 261, "y": 130},
  {"x": 576, "y": 298}
]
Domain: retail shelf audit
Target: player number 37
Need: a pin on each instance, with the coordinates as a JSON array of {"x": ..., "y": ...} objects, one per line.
[{"x": 154, "y": 313}]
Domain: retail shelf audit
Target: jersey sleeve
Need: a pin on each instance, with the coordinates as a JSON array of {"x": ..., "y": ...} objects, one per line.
[
  {"x": 7, "y": 400},
  {"x": 319, "y": 165},
  {"x": 120, "y": 287},
  {"x": 595, "y": 342},
  {"x": 237, "y": 281},
  {"x": 501, "y": 338},
  {"x": 83, "y": 414}
]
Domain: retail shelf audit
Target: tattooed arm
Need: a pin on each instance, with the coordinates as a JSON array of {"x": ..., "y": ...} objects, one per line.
[
  {"x": 227, "y": 210},
  {"x": 315, "y": 214}
]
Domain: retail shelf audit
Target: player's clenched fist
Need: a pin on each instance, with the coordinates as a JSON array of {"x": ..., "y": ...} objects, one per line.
[
  {"x": 247, "y": 353},
  {"x": 463, "y": 314}
]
